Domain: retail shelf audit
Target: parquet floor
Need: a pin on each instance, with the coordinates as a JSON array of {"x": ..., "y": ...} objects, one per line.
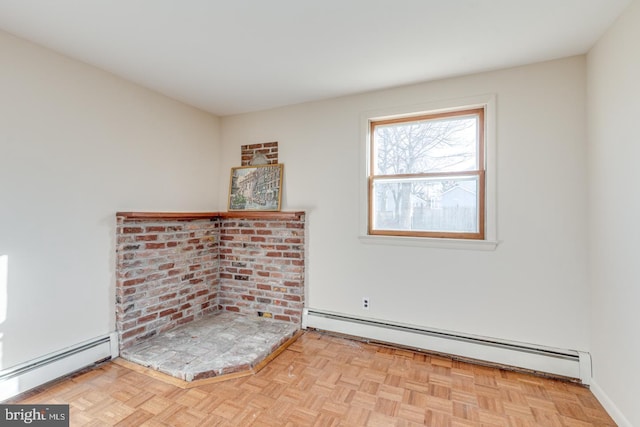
[{"x": 327, "y": 381}]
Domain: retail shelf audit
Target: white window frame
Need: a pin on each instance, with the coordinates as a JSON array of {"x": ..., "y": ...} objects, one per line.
[{"x": 488, "y": 102}]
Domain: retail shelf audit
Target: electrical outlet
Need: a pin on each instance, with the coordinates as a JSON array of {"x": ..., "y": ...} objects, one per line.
[{"x": 365, "y": 303}]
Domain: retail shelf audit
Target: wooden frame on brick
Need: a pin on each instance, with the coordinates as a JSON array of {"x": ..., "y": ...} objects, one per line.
[
  {"x": 256, "y": 188},
  {"x": 427, "y": 176}
]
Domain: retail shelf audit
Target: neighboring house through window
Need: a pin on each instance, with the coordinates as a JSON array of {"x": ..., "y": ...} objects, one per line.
[{"x": 426, "y": 174}]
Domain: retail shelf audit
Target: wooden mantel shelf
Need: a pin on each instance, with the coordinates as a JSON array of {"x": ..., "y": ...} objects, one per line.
[{"x": 210, "y": 215}]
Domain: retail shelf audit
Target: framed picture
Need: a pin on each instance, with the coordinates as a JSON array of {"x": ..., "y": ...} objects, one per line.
[{"x": 256, "y": 188}]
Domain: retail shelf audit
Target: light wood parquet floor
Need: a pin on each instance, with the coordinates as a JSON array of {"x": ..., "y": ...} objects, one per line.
[{"x": 327, "y": 381}]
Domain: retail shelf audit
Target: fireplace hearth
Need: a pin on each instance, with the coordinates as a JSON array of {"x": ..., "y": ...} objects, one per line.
[
  {"x": 215, "y": 345},
  {"x": 218, "y": 271}
]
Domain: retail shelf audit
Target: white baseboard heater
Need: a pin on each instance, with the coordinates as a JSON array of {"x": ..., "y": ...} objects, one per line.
[
  {"x": 25, "y": 376},
  {"x": 559, "y": 362}
]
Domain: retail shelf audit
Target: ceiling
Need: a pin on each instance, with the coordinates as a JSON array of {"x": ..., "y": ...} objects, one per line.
[{"x": 236, "y": 56}]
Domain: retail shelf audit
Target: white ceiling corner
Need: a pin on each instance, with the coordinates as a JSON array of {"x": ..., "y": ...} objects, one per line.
[{"x": 230, "y": 57}]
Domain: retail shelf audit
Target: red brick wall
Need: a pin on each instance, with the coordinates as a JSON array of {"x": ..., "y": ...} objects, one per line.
[
  {"x": 262, "y": 267},
  {"x": 170, "y": 272},
  {"x": 166, "y": 275},
  {"x": 268, "y": 149}
]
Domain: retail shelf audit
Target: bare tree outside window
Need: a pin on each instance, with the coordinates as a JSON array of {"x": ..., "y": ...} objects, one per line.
[{"x": 427, "y": 175}]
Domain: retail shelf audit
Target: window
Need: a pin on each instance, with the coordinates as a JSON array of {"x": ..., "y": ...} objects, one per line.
[{"x": 426, "y": 175}]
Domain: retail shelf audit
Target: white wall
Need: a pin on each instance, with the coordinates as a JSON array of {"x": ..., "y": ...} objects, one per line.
[
  {"x": 76, "y": 145},
  {"x": 614, "y": 150},
  {"x": 532, "y": 288}
]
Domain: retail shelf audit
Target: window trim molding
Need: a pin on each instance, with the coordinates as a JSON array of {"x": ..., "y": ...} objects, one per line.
[{"x": 486, "y": 101}]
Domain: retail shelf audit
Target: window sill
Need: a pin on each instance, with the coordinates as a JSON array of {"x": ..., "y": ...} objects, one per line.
[{"x": 425, "y": 242}]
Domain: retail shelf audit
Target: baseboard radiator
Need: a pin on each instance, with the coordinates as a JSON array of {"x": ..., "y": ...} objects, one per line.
[
  {"x": 545, "y": 360},
  {"x": 25, "y": 376}
]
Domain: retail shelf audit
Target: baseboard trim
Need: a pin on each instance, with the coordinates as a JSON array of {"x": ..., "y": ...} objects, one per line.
[
  {"x": 611, "y": 408},
  {"x": 25, "y": 376},
  {"x": 570, "y": 364}
]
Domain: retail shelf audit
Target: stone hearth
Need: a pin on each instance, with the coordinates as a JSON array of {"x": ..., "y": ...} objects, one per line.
[{"x": 214, "y": 345}]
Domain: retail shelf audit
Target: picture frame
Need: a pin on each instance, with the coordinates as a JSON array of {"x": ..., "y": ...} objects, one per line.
[{"x": 256, "y": 188}]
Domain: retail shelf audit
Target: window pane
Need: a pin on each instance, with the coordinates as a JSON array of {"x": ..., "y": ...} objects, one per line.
[
  {"x": 438, "y": 145},
  {"x": 430, "y": 205}
]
